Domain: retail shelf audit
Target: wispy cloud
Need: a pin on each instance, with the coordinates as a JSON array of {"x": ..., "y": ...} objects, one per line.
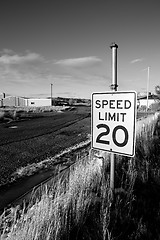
[
  {"x": 137, "y": 60},
  {"x": 9, "y": 58},
  {"x": 18, "y": 68},
  {"x": 67, "y": 94},
  {"x": 79, "y": 62},
  {"x": 7, "y": 51},
  {"x": 36, "y": 73}
]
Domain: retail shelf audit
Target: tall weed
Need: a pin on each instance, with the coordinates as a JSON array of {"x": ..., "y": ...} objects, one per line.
[{"x": 80, "y": 205}]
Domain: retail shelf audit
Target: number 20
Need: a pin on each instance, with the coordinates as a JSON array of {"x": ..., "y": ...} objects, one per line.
[{"x": 119, "y": 127}]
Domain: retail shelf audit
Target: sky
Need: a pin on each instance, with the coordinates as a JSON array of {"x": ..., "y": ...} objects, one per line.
[{"x": 67, "y": 43}]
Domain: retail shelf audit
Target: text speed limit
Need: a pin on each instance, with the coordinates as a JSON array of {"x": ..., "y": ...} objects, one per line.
[{"x": 113, "y": 122}]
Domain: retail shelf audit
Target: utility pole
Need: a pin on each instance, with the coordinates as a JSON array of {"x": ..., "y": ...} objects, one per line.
[
  {"x": 114, "y": 87},
  {"x": 147, "y": 84},
  {"x": 51, "y": 93}
]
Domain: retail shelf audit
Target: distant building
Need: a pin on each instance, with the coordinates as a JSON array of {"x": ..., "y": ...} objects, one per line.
[
  {"x": 13, "y": 101},
  {"x": 38, "y": 102},
  {"x": 142, "y": 100},
  {"x": 143, "y": 94}
]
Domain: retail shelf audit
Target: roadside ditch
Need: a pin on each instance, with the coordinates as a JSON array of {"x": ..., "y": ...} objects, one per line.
[{"x": 42, "y": 172}]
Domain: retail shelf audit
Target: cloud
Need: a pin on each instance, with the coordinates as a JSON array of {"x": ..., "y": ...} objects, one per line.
[
  {"x": 16, "y": 69},
  {"x": 30, "y": 73},
  {"x": 7, "y": 51},
  {"x": 62, "y": 77},
  {"x": 67, "y": 94},
  {"x": 9, "y": 57},
  {"x": 79, "y": 62},
  {"x": 137, "y": 60}
]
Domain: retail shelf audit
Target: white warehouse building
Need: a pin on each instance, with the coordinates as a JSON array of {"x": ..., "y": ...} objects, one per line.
[
  {"x": 143, "y": 101},
  {"x": 14, "y": 101},
  {"x": 38, "y": 102}
]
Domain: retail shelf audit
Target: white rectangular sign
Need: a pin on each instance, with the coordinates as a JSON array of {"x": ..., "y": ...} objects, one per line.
[{"x": 114, "y": 121}]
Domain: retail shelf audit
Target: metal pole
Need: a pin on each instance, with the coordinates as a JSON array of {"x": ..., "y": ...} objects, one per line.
[
  {"x": 114, "y": 86},
  {"x": 114, "y": 66},
  {"x": 147, "y": 87},
  {"x": 51, "y": 93}
]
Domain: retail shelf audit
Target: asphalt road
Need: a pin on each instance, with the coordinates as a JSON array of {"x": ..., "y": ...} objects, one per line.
[{"x": 29, "y": 141}]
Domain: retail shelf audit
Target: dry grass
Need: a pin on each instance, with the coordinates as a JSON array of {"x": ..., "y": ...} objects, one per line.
[
  {"x": 63, "y": 206},
  {"x": 80, "y": 205},
  {"x": 14, "y": 113}
]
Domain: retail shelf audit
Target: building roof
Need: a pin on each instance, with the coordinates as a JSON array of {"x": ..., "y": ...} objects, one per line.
[
  {"x": 150, "y": 97},
  {"x": 15, "y": 97}
]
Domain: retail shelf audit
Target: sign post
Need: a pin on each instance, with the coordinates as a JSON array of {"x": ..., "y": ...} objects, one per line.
[
  {"x": 114, "y": 87},
  {"x": 114, "y": 120}
]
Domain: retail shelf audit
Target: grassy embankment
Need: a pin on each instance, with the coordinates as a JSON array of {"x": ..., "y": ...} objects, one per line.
[
  {"x": 14, "y": 113},
  {"x": 79, "y": 205}
]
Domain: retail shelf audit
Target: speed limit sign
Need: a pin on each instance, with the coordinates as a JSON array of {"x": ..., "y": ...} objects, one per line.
[{"x": 114, "y": 122}]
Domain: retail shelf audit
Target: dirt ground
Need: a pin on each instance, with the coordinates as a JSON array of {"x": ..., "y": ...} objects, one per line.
[{"x": 31, "y": 140}]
